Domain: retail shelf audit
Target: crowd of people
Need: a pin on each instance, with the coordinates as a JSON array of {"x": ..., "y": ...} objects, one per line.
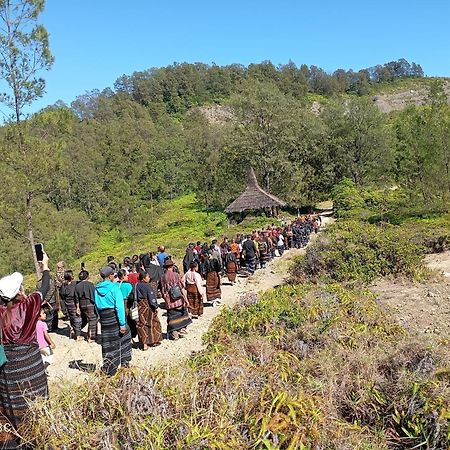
[{"x": 125, "y": 303}]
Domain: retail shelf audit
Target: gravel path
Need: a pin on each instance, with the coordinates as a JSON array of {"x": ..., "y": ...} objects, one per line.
[{"x": 73, "y": 360}]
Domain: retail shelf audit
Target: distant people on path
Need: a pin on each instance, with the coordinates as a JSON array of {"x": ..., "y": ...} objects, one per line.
[
  {"x": 22, "y": 376},
  {"x": 116, "y": 336}
]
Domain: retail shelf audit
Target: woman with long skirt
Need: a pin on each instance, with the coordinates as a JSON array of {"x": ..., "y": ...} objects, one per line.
[
  {"x": 213, "y": 290},
  {"x": 148, "y": 326},
  {"x": 231, "y": 266},
  {"x": 22, "y": 378},
  {"x": 116, "y": 335},
  {"x": 192, "y": 282},
  {"x": 176, "y": 304}
]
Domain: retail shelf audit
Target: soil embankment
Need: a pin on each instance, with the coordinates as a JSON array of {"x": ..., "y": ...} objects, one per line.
[{"x": 422, "y": 308}]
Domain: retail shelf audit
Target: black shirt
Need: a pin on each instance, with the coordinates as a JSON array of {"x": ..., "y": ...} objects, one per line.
[{"x": 250, "y": 249}]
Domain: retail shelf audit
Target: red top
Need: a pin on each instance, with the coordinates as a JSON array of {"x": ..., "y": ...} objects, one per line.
[
  {"x": 25, "y": 315},
  {"x": 133, "y": 278}
]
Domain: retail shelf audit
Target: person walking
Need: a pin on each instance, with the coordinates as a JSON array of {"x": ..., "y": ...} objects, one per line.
[
  {"x": 116, "y": 336},
  {"x": 176, "y": 305},
  {"x": 192, "y": 282},
  {"x": 85, "y": 298},
  {"x": 148, "y": 326},
  {"x": 22, "y": 376},
  {"x": 213, "y": 269},
  {"x": 67, "y": 294}
]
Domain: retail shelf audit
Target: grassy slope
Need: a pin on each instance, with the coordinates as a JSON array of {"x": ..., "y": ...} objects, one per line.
[
  {"x": 307, "y": 366},
  {"x": 175, "y": 224}
]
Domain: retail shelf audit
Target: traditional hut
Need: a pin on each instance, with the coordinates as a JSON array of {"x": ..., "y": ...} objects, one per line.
[{"x": 255, "y": 198}]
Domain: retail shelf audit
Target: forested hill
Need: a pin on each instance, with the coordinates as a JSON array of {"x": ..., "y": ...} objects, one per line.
[{"x": 109, "y": 158}]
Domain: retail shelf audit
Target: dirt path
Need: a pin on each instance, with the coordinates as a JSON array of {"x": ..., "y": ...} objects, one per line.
[
  {"x": 72, "y": 360},
  {"x": 422, "y": 308}
]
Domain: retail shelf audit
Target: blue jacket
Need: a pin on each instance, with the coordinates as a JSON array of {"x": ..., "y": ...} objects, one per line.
[{"x": 108, "y": 295}]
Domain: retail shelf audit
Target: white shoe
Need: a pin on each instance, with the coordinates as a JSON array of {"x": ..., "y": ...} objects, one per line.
[{"x": 216, "y": 302}]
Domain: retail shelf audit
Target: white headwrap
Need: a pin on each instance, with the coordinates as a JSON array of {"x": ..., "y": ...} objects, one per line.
[{"x": 10, "y": 285}]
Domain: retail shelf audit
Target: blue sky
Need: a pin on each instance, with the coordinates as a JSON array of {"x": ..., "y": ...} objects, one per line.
[{"x": 96, "y": 41}]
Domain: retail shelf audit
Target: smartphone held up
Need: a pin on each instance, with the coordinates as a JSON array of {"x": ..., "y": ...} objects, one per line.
[{"x": 39, "y": 248}]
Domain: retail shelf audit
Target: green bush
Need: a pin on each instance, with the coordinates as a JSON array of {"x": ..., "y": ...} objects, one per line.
[
  {"x": 346, "y": 198},
  {"x": 299, "y": 368}
]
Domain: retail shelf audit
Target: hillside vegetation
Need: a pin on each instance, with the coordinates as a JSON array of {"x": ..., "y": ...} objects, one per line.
[
  {"x": 312, "y": 365},
  {"x": 98, "y": 170}
]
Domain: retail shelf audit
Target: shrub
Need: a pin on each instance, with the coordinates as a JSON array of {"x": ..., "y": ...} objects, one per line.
[
  {"x": 306, "y": 367},
  {"x": 355, "y": 250}
]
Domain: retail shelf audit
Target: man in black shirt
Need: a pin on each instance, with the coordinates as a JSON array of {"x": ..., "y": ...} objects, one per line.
[{"x": 250, "y": 254}]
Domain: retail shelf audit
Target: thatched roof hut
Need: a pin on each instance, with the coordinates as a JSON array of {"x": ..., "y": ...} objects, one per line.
[{"x": 254, "y": 198}]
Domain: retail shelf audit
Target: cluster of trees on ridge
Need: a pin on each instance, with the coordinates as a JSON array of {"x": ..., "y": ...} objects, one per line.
[
  {"x": 106, "y": 160},
  {"x": 181, "y": 86}
]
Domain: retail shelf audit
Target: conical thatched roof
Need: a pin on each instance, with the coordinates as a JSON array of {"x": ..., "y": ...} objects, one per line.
[{"x": 254, "y": 197}]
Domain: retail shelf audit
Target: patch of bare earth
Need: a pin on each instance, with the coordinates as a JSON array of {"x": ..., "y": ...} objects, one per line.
[{"x": 422, "y": 308}]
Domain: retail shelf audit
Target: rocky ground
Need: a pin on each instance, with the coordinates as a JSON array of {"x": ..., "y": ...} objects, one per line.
[{"x": 422, "y": 308}]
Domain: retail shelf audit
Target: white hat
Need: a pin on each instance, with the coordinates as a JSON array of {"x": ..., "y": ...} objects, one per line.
[{"x": 10, "y": 285}]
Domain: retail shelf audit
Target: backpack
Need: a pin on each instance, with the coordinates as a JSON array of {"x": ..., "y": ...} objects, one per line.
[{"x": 175, "y": 292}]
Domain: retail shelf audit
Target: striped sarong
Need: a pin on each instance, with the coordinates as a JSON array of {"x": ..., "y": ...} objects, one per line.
[
  {"x": 148, "y": 327},
  {"x": 231, "y": 271},
  {"x": 195, "y": 300},
  {"x": 88, "y": 316},
  {"x": 22, "y": 379},
  {"x": 116, "y": 348},
  {"x": 177, "y": 319},
  {"x": 213, "y": 290}
]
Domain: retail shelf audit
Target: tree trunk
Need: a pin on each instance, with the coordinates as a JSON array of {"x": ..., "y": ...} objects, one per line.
[{"x": 31, "y": 234}]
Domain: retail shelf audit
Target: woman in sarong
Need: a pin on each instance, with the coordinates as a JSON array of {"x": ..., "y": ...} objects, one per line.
[
  {"x": 22, "y": 378},
  {"x": 176, "y": 305},
  {"x": 116, "y": 335},
  {"x": 192, "y": 282},
  {"x": 231, "y": 266},
  {"x": 213, "y": 290},
  {"x": 148, "y": 325}
]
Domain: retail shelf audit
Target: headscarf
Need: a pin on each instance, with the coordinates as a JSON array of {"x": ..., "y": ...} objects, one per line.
[{"x": 10, "y": 286}]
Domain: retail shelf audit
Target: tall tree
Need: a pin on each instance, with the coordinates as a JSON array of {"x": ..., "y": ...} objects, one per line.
[{"x": 24, "y": 52}]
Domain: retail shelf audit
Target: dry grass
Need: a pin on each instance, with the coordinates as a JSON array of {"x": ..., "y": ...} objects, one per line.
[{"x": 312, "y": 367}]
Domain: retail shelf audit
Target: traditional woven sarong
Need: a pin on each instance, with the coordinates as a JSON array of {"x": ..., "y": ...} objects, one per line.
[
  {"x": 116, "y": 348},
  {"x": 195, "y": 300},
  {"x": 251, "y": 264},
  {"x": 177, "y": 319},
  {"x": 231, "y": 271},
  {"x": 22, "y": 379},
  {"x": 75, "y": 320},
  {"x": 213, "y": 290},
  {"x": 148, "y": 326},
  {"x": 88, "y": 316}
]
